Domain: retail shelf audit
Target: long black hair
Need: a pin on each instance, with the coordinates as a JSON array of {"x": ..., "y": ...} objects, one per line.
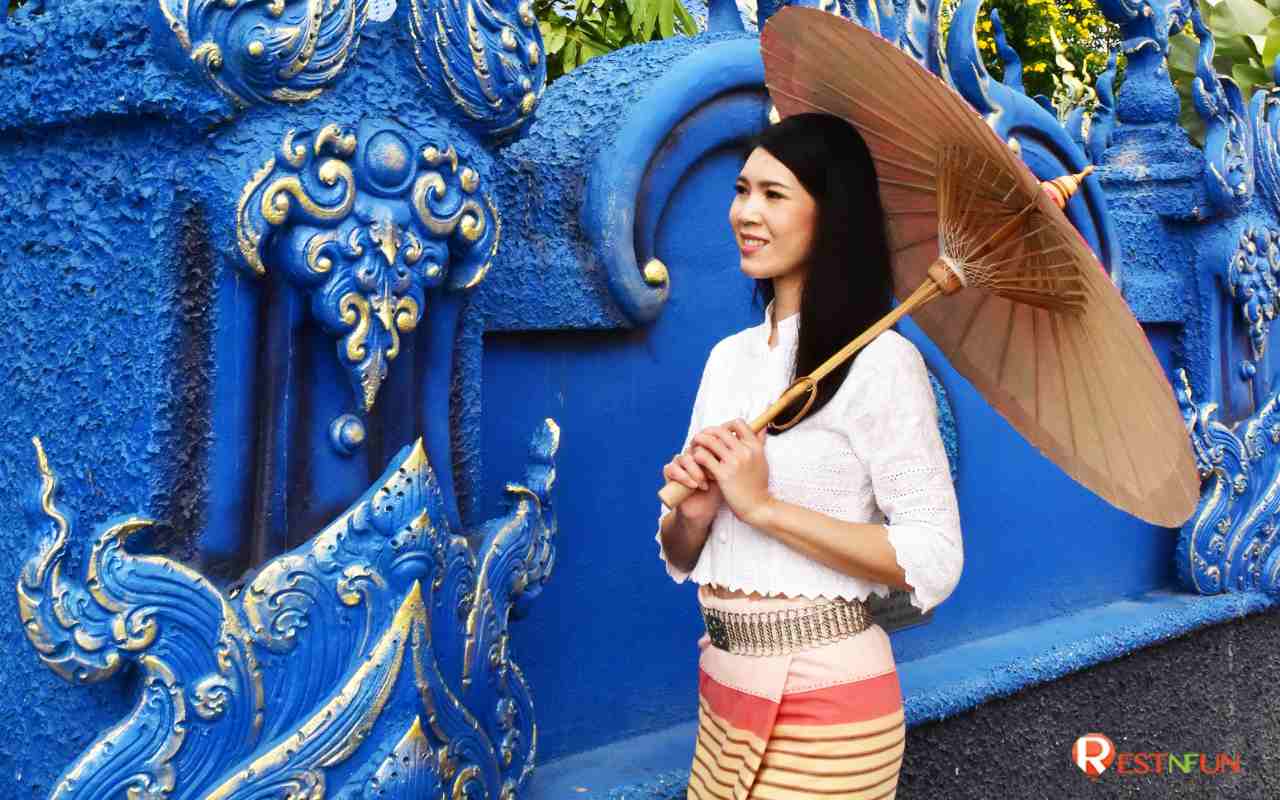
[{"x": 849, "y": 284}]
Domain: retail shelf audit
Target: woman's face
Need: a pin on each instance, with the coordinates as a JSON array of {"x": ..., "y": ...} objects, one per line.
[{"x": 774, "y": 219}]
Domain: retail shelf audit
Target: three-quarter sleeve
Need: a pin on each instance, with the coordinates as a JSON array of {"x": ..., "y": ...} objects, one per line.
[
  {"x": 696, "y": 423},
  {"x": 895, "y": 433}
]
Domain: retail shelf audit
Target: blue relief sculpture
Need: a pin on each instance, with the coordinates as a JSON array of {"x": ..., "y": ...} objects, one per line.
[
  {"x": 1102, "y": 121},
  {"x": 483, "y": 59},
  {"x": 1145, "y": 25},
  {"x": 1229, "y": 542},
  {"x": 275, "y": 51},
  {"x": 1009, "y": 57},
  {"x": 910, "y": 24},
  {"x": 366, "y": 223},
  {"x": 1035, "y": 133},
  {"x": 373, "y": 661},
  {"x": 272, "y": 689},
  {"x": 1264, "y": 116},
  {"x": 631, "y": 181},
  {"x": 1264, "y": 119},
  {"x": 1251, "y": 281},
  {"x": 1228, "y": 143}
]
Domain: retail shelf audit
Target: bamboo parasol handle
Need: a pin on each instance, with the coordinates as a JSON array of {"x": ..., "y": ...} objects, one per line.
[{"x": 940, "y": 281}]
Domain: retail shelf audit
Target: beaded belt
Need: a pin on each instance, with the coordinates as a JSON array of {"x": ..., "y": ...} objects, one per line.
[{"x": 775, "y": 633}]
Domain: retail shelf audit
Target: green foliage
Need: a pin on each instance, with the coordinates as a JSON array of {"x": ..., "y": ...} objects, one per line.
[
  {"x": 1246, "y": 37},
  {"x": 1085, "y": 40},
  {"x": 574, "y": 31}
]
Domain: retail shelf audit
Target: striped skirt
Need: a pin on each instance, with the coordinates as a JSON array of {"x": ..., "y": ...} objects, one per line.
[{"x": 820, "y": 723}]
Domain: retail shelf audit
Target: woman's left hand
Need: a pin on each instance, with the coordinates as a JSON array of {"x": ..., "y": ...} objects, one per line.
[{"x": 735, "y": 458}]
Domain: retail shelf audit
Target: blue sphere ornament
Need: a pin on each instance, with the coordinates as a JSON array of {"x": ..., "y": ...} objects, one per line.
[
  {"x": 388, "y": 160},
  {"x": 347, "y": 434}
]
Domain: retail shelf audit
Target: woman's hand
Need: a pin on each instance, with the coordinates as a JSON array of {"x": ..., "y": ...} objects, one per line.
[
  {"x": 700, "y": 508},
  {"x": 734, "y": 456}
]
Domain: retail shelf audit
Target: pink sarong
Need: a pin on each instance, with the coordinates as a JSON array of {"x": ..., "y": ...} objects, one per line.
[{"x": 820, "y": 723}]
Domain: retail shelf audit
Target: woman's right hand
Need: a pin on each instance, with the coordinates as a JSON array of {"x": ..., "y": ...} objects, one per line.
[{"x": 700, "y": 507}]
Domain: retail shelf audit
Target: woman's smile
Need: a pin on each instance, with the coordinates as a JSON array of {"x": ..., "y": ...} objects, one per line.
[{"x": 750, "y": 245}]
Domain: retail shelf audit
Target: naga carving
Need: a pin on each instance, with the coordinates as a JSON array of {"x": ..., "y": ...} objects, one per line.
[
  {"x": 1229, "y": 544},
  {"x": 273, "y": 689}
]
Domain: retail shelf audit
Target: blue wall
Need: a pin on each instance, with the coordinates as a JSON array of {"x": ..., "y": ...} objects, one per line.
[
  {"x": 618, "y": 633},
  {"x": 133, "y": 339}
]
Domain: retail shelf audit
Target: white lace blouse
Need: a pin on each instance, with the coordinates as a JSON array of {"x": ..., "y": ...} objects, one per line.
[{"x": 872, "y": 453}]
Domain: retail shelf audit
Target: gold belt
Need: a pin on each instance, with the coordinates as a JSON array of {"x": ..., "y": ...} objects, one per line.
[{"x": 786, "y": 630}]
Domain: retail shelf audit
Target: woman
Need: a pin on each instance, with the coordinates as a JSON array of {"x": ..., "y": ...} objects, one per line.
[{"x": 799, "y": 693}]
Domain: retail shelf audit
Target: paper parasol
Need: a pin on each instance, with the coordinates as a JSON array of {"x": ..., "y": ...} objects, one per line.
[{"x": 1082, "y": 384}]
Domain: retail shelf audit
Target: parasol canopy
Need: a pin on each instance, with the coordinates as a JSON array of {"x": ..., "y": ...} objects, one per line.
[{"x": 1081, "y": 385}]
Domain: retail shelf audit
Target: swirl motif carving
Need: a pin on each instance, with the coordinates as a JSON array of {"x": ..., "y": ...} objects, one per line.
[
  {"x": 277, "y": 51},
  {"x": 484, "y": 59},
  {"x": 1228, "y": 142},
  {"x": 1229, "y": 544},
  {"x": 366, "y": 224},
  {"x": 261, "y": 692}
]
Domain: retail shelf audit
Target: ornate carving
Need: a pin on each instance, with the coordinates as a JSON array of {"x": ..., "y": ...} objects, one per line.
[
  {"x": 1148, "y": 22},
  {"x": 1031, "y": 128},
  {"x": 1009, "y": 57},
  {"x": 279, "y": 50},
  {"x": 910, "y": 25},
  {"x": 1251, "y": 281},
  {"x": 1264, "y": 116},
  {"x": 260, "y": 692},
  {"x": 1095, "y": 134},
  {"x": 1229, "y": 542},
  {"x": 411, "y": 770},
  {"x": 1147, "y": 94},
  {"x": 1228, "y": 143},
  {"x": 366, "y": 224},
  {"x": 483, "y": 58},
  {"x": 179, "y": 629}
]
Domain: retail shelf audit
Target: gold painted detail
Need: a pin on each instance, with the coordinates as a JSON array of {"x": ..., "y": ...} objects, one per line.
[
  {"x": 1252, "y": 281},
  {"x": 1227, "y": 545},
  {"x": 299, "y": 46},
  {"x": 427, "y": 224},
  {"x": 410, "y": 770},
  {"x": 469, "y": 54},
  {"x": 655, "y": 273},
  {"x": 159, "y": 614},
  {"x": 384, "y": 582}
]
